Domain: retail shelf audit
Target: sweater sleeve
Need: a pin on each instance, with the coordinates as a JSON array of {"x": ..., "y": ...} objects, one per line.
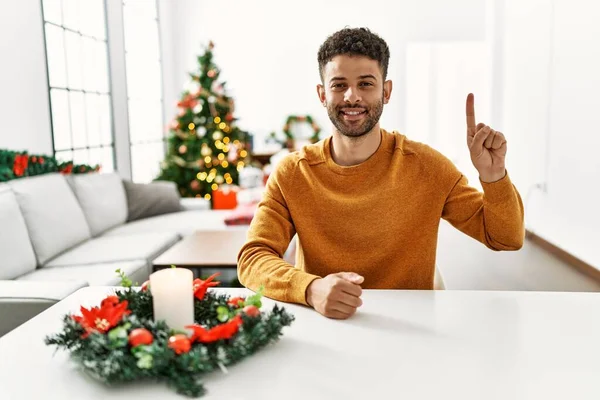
[
  {"x": 260, "y": 261},
  {"x": 494, "y": 217}
]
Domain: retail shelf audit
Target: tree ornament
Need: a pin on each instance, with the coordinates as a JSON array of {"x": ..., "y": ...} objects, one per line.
[
  {"x": 217, "y": 135},
  {"x": 201, "y": 131},
  {"x": 205, "y": 151},
  {"x": 212, "y": 73},
  {"x": 195, "y": 185},
  {"x": 182, "y": 149}
]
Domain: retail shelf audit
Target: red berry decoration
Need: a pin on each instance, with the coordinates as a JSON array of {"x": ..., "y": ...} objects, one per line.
[
  {"x": 140, "y": 336},
  {"x": 251, "y": 311},
  {"x": 145, "y": 286},
  {"x": 180, "y": 343}
]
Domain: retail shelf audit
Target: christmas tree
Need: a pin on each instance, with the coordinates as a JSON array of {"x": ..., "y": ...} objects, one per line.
[{"x": 206, "y": 149}]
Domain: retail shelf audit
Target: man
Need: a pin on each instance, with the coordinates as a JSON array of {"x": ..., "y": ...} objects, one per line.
[{"x": 366, "y": 203}]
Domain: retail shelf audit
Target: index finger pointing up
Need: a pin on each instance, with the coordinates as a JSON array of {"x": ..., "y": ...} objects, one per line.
[{"x": 471, "y": 125}]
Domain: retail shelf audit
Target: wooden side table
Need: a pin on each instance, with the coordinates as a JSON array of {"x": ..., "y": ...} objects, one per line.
[{"x": 204, "y": 249}]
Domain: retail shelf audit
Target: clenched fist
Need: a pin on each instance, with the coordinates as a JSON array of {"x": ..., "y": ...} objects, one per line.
[{"x": 337, "y": 295}]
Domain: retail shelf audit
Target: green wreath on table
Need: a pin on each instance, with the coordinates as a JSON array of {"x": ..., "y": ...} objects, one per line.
[
  {"x": 120, "y": 341},
  {"x": 294, "y": 119}
]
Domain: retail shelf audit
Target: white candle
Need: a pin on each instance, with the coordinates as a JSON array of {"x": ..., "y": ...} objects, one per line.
[{"x": 173, "y": 297}]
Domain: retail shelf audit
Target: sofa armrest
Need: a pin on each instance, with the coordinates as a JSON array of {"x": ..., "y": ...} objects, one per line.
[
  {"x": 23, "y": 300},
  {"x": 194, "y": 203}
]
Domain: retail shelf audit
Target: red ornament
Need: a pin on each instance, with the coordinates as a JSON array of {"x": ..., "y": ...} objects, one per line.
[
  {"x": 41, "y": 160},
  {"x": 219, "y": 332},
  {"x": 180, "y": 343},
  {"x": 195, "y": 185},
  {"x": 201, "y": 286},
  {"x": 211, "y": 73},
  {"x": 103, "y": 318},
  {"x": 235, "y": 301},
  {"x": 140, "y": 336},
  {"x": 20, "y": 164},
  {"x": 251, "y": 311},
  {"x": 33, "y": 159},
  {"x": 188, "y": 102},
  {"x": 67, "y": 169},
  {"x": 145, "y": 286}
]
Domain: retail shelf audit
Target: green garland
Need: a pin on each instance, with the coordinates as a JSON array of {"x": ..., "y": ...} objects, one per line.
[
  {"x": 299, "y": 119},
  {"x": 20, "y": 164},
  {"x": 113, "y": 358}
]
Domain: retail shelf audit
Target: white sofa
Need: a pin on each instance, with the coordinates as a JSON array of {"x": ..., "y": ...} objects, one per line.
[{"x": 60, "y": 233}]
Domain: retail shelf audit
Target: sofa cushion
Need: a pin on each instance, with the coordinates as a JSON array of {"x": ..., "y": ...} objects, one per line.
[
  {"x": 145, "y": 246},
  {"x": 53, "y": 216},
  {"x": 149, "y": 199},
  {"x": 102, "y": 199},
  {"x": 101, "y": 274},
  {"x": 16, "y": 254},
  {"x": 183, "y": 223}
]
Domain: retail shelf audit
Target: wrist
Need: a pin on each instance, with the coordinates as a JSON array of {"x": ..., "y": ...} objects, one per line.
[
  {"x": 492, "y": 177},
  {"x": 309, "y": 292}
]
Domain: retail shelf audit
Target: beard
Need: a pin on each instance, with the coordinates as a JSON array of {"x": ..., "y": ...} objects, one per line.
[{"x": 355, "y": 129}]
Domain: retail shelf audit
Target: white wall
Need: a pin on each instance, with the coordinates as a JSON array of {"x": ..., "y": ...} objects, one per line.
[
  {"x": 267, "y": 50},
  {"x": 551, "y": 112},
  {"x": 24, "y": 103}
]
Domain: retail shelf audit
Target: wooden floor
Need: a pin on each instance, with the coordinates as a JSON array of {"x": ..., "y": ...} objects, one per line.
[{"x": 468, "y": 264}]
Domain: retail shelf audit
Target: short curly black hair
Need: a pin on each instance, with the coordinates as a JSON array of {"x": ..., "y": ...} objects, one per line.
[{"x": 357, "y": 42}]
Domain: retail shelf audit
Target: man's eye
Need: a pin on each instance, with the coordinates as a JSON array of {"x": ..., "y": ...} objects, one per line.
[
  {"x": 366, "y": 84},
  {"x": 338, "y": 85}
]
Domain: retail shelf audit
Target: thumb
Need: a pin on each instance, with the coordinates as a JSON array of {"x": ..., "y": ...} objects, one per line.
[{"x": 351, "y": 277}]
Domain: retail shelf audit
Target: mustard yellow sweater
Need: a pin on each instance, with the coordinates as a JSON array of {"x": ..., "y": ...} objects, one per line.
[{"x": 379, "y": 219}]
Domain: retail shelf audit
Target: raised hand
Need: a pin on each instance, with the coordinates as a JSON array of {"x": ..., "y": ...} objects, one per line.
[{"x": 487, "y": 146}]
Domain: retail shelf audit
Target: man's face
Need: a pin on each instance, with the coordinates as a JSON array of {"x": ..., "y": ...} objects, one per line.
[{"x": 354, "y": 93}]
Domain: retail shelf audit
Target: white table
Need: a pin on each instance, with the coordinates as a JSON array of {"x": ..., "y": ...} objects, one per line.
[{"x": 401, "y": 345}]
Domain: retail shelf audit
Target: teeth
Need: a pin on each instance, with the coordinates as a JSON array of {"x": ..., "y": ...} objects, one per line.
[{"x": 353, "y": 112}]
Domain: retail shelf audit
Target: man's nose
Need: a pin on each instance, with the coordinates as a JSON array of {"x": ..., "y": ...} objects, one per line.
[{"x": 352, "y": 96}]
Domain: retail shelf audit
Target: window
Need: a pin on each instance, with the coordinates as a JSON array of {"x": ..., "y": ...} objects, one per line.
[
  {"x": 144, "y": 88},
  {"x": 80, "y": 98}
]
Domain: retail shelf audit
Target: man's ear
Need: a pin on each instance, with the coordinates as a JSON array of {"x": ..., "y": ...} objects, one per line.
[
  {"x": 321, "y": 93},
  {"x": 387, "y": 91}
]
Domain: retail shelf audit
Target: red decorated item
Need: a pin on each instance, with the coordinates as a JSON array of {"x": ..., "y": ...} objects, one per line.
[
  {"x": 235, "y": 301},
  {"x": 201, "y": 286},
  {"x": 20, "y": 164},
  {"x": 219, "y": 332},
  {"x": 102, "y": 319},
  {"x": 110, "y": 301},
  {"x": 140, "y": 336},
  {"x": 145, "y": 286},
  {"x": 188, "y": 102},
  {"x": 242, "y": 215},
  {"x": 180, "y": 343},
  {"x": 224, "y": 198},
  {"x": 251, "y": 311}
]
